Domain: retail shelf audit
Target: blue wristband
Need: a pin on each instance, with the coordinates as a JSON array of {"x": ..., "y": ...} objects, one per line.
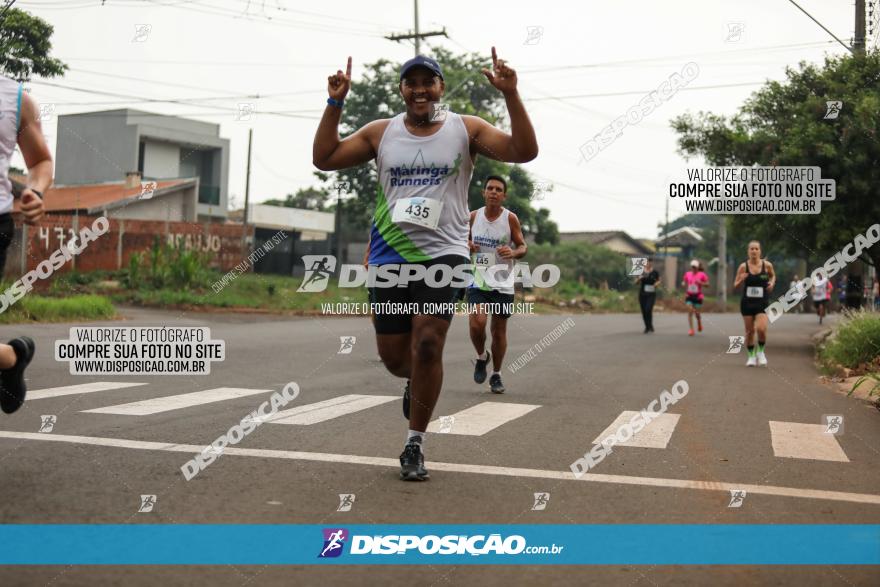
[{"x": 337, "y": 103}]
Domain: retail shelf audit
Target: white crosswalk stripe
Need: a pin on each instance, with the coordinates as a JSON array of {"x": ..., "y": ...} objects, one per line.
[
  {"x": 78, "y": 389},
  {"x": 177, "y": 402},
  {"x": 330, "y": 409},
  {"x": 805, "y": 441},
  {"x": 654, "y": 435},
  {"x": 480, "y": 419}
]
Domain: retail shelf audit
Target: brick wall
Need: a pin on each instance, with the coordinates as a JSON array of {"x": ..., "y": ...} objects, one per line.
[{"x": 113, "y": 249}]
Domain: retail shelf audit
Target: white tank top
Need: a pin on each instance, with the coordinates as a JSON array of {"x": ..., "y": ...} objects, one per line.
[
  {"x": 421, "y": 208},
  {"x": 820, "y": 289},
  {"x": 488, "y": 235},
  {"x": 10, "y": 115}
]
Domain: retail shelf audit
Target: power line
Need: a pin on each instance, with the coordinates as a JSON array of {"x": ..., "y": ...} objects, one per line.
[
  {"x": 171, "y": 101},
  {"x": 848, "y": 48},
  {"x": 674, "y": 57},
  {"x": 218, "y": 11},
  {"x": 641, "y": 92}
]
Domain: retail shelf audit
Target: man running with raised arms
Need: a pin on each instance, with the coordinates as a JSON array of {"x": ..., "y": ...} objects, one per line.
[
  {"x": 424, "y": 169},
  {"x": 19, "y": 125},
  {"x": 496, "y": 240}
]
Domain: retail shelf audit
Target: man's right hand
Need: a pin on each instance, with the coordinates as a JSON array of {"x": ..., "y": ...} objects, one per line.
[{"x": 339, "y": 83}]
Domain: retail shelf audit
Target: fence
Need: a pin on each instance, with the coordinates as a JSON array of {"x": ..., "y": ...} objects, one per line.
[{"x": 33, "y": 244}]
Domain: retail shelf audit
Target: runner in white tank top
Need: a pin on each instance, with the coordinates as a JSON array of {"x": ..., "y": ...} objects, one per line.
[
  {"x": 19, "y": 126},
  {"x": 496, "y": 241},
  {"x": 424, "y": 165}
]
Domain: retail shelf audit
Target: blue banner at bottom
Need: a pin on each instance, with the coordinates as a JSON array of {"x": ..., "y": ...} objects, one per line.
[{"x": 523, "y": 544}]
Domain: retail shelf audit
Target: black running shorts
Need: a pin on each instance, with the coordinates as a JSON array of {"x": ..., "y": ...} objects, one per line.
[
  {"x": 499, "y": 303},
  {"x": 393, "y": 307}
]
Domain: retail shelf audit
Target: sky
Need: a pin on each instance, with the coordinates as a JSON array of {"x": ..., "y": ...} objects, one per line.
[{"x": 580, "y": 66}]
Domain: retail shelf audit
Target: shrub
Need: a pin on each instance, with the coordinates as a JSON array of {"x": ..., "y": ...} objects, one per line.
[{"x": 855, "y": 341}]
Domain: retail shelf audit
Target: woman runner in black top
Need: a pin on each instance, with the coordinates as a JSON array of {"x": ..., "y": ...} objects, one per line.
[
  {"x": 648, "y": 282},
  {"x": 757, "y": 277}
]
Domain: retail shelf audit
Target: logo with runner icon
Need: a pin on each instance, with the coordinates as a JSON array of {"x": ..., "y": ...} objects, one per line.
[
  {"x": 346, "y": 500},
  {"x": 638, "y": 266},
  {"x": 47, "y": 423},
  {"x": 737, "y": 496},
  {"x": 319, "y": 268},
  {"x": 446, "y": 423},
  {"x": 541, "y": 500},
  {"x": 148, "y": 502},
  {"x": 334, "y": 541},
  {"x": 736, "y": 344},
  {"x": 346, "y": 345},
  {"x": 439, "y": 110},
  {"x": 833, "y": 424},
  {"x": 832, "y": 109}
]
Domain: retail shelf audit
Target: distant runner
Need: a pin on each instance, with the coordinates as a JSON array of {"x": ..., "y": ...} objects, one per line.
[
  {"x": 496, "y": 241},
  {"x": 821, "y": 295},
  {"x": 648, "y": 283},
  {"x": 694, "y": 281},
  {"x": 757, "y": 277}
]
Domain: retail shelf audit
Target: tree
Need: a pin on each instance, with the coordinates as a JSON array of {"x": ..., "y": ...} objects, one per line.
[
  {"x": 784, "y": 123},
  {"x": 467, "y": 92},
  {"x": 25, "y": 43},
  {"x": 306, "y": 198}
]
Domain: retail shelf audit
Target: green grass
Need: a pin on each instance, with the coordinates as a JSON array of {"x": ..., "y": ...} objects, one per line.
[
  {"x": 277, "y": 293},
  {"x": 855, "y": 343},
  {"x": 35, "y": 308},
  {"x": 249, "y": 290}
]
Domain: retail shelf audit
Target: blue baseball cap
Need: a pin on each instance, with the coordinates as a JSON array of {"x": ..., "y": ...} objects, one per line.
[{"x": 421, "y": 60}]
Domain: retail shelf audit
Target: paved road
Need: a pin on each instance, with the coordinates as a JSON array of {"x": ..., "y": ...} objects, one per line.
[{"x": 719, "y": 437}]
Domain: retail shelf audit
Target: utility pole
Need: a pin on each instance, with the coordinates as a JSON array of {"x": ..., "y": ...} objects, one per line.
[
  {"x": 247, "y": 190},
  {"x": 337, "y": 226},
  {"x": 416, "y": 27},
  {"x": 859, "y": 39},
  {"x": 666, "y": 274},
  {"x": 722, "y": 261},
  {"x": 417, "y": 36}
]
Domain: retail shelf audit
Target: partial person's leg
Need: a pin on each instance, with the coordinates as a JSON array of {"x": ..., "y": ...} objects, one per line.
[
  {"x": 761, "y": 330},
  {"x": 428, "y": 340},
  {"x": 17, "y": 355},
  {"x": 7, "y": 357},
  {"x": 499, "y": 341},
  {"x": 477, "y": 328},
  {"x": 394, "y": 350},
  {"x": 649, "y": 312}
]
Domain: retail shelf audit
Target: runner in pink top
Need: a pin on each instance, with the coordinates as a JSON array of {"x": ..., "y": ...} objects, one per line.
[{"x": 693, "y": 282}]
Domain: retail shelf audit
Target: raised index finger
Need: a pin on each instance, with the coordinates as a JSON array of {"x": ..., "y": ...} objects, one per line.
[
  {"x": 494, "y": 57},
  {"x": 348, "y": 68}
]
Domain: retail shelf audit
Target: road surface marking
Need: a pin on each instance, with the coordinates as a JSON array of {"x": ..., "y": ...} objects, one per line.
[
  {"x": 805, "y": 441},
  {"x": 654, "y": 435},
  {"x": 329, "y": 409},
  {"x": 482, "y": 418},
  {"x": 177, "y": 402},
  {"x": 724, "y": 487},
  {"x": 79, "y": 388}
]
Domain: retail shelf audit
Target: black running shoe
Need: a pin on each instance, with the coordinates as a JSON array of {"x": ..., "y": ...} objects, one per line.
[
  {"x": 406, "y": 398},
  {"x": 495, "y": 383},
  {"x": 12, "y": 385},
  {"x": 480, "y": 368},
  {"x": 412, "y": 463}
]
